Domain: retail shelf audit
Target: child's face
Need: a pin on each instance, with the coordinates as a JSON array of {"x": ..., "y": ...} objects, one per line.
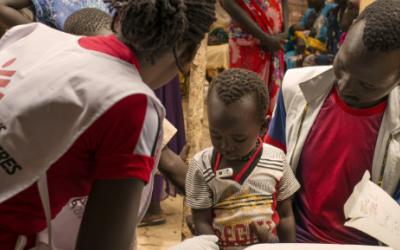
[
  {"x": 365, "y": 77},
  {"x": 234, "y": 129}
]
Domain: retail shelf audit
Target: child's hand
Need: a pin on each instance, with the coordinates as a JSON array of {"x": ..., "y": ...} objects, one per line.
[{"x": 263, "y": 234}]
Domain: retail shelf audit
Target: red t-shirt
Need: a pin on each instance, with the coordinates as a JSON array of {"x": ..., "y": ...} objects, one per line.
[
  {"x": 336, "y": 154},
  {"x": 108, "y": 149}
]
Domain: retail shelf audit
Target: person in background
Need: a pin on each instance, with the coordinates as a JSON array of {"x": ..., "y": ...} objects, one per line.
[
  {"x": 102, "y": 126},
  {"x": 88, "y": 22},
  {"x": 336, "y": 123},
  {"x": 257, "y": 34},
  {"x": 310, "y": 36},
  {"x": 240, "y": 183},
  {"x": 49, "y": 12},
  {"x": 349, "y": 14}
]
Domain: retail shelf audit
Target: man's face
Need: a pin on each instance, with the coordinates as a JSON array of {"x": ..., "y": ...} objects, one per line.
[{"x": 365, "y": 77}]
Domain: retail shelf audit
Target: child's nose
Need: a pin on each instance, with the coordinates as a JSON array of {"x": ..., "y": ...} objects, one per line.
[{"x": 226, "y": 145}]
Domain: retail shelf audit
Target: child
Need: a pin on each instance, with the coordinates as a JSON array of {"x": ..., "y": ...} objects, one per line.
[
  {"x": 240, "y": 181},
  {"x": 102, "y": 131},
  {"x": 50, "y": 12},
  {"x": 89, "y": 22}
]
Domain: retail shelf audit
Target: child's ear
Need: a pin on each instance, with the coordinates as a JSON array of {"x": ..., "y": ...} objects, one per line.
[{"x": 265, "y": 124}]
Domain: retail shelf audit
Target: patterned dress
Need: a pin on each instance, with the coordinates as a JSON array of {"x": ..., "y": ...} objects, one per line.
[
  {"x": 245, "y": 51},
  {"x": 54, "y": 13}
]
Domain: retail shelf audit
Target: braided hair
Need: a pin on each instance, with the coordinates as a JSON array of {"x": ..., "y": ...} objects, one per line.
[
  {"x": 233, "y": 84},
  {"x": 382, "y": 29},
  {"x": 88, "y": 21},
  {"x": 153, "y": 26}
]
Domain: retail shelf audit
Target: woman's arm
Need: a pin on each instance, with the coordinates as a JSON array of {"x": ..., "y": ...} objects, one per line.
[
  {"x": 110, "y": 217},
  {"x": 287, "y": 225},
  {"x": 202, "y": 219},
  {"x": 271, "y": 43},
  {"x": 285, "y": 10},
  {"x": 173, "y": 167},
  {"x": 9, "y": 14}
]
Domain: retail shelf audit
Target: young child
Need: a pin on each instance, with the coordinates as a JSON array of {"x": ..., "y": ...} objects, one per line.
[
  {"x": 240, "y": 181},
  {"x": 89, "y": 22}
]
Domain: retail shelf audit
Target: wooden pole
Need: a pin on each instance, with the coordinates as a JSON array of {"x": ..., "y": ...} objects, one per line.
[{"x": 195, "y": 113}]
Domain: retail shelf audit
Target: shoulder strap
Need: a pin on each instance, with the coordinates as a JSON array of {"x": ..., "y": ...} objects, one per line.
[{"x": 44, "y": 197}]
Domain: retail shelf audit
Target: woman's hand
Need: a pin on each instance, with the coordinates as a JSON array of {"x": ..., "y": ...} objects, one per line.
[{"x": 272, "y": 43}]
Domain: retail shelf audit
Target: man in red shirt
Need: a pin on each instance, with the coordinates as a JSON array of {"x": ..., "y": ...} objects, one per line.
[{"x": 335, "y": 124}]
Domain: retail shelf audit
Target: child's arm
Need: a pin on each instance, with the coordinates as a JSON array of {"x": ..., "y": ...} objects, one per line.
[
  {"x": 174, "y": 168},
  {"x": 202, "y": 219},
  {"x": 272, "y": 43},
  {"x": 199, "y": 196},
  {"x": 9, "y": 14},
  {"x": 288, "y": 185},
  {"x": 287, "y": 225}
]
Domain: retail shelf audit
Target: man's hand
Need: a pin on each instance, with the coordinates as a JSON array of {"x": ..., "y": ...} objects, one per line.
[{"x": 263, "y": 234}]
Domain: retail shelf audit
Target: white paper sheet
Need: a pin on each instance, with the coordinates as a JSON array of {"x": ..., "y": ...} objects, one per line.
[
  {"x": 313, "y": 247},
  {"x": 169, "y": 132},
  {"x": 371, "y": 210}
]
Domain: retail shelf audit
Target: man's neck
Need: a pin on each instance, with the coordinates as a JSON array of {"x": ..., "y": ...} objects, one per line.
[{"x": 358, "y": 105}]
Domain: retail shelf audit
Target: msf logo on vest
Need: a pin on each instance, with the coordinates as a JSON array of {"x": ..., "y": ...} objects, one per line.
[
  {"x": 5, "y": 79},
  {"x": 7, "y": 162}
]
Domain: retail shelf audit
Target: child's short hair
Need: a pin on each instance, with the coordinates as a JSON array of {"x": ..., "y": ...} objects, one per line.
[
  {"x": 382, "y": 28},
  {"x": 88, "y": 21},
  {"x": 233, "y": 84}
]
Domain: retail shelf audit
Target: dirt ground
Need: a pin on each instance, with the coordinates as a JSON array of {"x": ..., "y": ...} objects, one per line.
[{"x": 163, "y": 236}]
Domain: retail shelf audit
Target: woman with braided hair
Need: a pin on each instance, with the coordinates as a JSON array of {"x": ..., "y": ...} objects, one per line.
[{"x": 79, "y": 117}]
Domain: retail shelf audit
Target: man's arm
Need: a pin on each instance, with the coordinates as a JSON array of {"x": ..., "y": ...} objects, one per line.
[
  {"x": 202, "y": 219},
  {"x": 287, "y": 225},
  {"x": 110, "y": 217},
  {"x": 9, "y": 14}
]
